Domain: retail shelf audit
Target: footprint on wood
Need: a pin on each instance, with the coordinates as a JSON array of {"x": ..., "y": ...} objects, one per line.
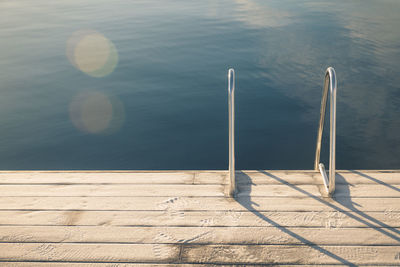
[
  {"x": 234, "y": 216},
  {"x": 333, "y": 220},
  {"x": 173, "y": 207},
  {"x": 160, "y": 249},
  {"x": 207, "y": 222}
]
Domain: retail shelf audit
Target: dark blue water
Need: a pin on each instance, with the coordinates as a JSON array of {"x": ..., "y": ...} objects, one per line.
[{"x": 100, "y": 84}]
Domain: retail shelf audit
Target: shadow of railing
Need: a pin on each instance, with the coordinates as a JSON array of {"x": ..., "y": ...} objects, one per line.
[
  {"x": 346, "y": 201},
  {"x": 376, "y": 180},
  {"x": 245, "y": 200}
]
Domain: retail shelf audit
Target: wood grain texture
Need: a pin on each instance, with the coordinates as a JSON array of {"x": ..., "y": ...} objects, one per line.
[
  {"x": 270, "y": 254},
  {"x": 171, "y": 217},
  {"x": 112, "y": 190},
  {"x": 182, "y": 177},
  {"x": 125, "y": 218},
  {"x": 138, "y": 190},
  {"x": 115, "y": 264},
  {"x": 225, "y": 254},
  {"x": 89, "y": 252},
  {"x": 194, "y": 177},
  {"x": 200, "y": 235},
  {"x": 299, "y": 177},
  {"x": 245, "y": 203}
]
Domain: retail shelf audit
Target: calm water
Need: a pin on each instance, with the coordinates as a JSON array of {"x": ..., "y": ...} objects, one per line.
[{"x": 141, "y": 84}]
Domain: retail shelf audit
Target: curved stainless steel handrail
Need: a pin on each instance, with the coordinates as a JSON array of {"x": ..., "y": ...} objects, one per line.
[
  {"x": 231, "y": 111},
  {"x": 330, "y": 83}
]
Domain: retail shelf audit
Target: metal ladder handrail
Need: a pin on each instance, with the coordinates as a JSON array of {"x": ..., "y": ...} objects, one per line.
[
  {"x": 329, "y": 83},
  {"x": 231, "y": 111}
]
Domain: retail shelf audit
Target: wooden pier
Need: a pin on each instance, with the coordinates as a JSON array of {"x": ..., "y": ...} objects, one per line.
[{"x": 118, "y": 218}]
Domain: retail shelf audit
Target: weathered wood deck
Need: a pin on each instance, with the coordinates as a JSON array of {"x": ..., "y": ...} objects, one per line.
[{"x": 182, "y": 217}]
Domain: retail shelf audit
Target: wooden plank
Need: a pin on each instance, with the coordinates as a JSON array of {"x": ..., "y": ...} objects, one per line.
[
  {"x": 362, "y": 190},
  {"x": 376, "y": 190},
  {"x": 368, "y": 177},
  {"x": 113, "y": 264},
  {"x": 172, "y": 217},
  {"x": 36, "y": 177},
  {"x": 89, "y": 252},
  {"x": 80, "y": 264},
  {"x": 342, "y": 190},
  {"x": 149, "y": 190},
  {"x": 238, "y": 254},
  {"x": 358, "y": 190},
  {"x": 198, "y": 177},
  {"x": 298, "y": 177},
  {"x": 200, "y": 235},
  {"x": 258, "y": 204},
  {"x": 269, "y": 254},
  {"x": 112, "y": 190},
  {"x": 255, "y": 177}
]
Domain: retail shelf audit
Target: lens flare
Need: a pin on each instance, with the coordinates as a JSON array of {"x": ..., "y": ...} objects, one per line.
[
  {"x": 92, "y": 53},
  {"x": 95, "y": 112}
]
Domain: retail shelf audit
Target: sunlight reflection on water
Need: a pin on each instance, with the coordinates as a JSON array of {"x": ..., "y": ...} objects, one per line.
[
  {"x": 92, "y": 53},
  {"x": 94, "y": 112}
]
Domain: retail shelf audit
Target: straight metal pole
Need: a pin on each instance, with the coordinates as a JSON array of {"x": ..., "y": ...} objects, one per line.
[{"x": 231, "y": 108}]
